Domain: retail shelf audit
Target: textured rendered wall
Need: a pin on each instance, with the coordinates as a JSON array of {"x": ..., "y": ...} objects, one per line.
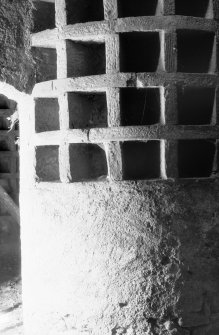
[
  {"x": 120, "y": 235},
  {"x": 122, "y": 258},
  {"x": 15, "y": 60}
]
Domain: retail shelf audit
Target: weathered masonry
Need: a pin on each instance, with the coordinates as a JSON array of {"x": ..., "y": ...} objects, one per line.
[
  {"x": 120, "y": 169},
  {"x": 15, "y": 77}
]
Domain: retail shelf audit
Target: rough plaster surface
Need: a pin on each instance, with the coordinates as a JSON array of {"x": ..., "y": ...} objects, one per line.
[
  {"x": 15, "y": 59},
  {"x": 122, "y": 258}
]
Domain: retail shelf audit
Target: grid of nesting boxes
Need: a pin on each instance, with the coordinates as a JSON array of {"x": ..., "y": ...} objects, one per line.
[
  {"x": 9, "y": 158},
  {"x": 127, "y": 90}
]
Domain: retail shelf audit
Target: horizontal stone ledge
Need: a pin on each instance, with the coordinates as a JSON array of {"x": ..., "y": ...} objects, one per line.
[
  {"x": 156, "y": 132},
  {"x": 167, "y": 23},
  {"x": 100, "y": 83},
  {"x": 120, "y": 134},
  {"x": 90, "y": 31},
  {"x": 45, "y": 39},
  {"x": 61, "y": 137},
  {"x": 178, "y": 78},
  {"x": 96, "y": 31}
]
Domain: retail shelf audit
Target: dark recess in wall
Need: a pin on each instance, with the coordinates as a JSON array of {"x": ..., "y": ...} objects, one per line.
[
  {"x": 140, "y": 106},
  {"x": 45, "y": 64},
  {"x": 195, "y": 105},
  {"x": 46, "y": 114},
  {"x": 87, "y": 162},
  {"x": 195, "y": 158},
  {"x": 9, "y": 249},
  {"x": 195, "y": 51},
  {"x": 47, "y": 163},
  {"x": 84, "y": 11},
  {"x": 128, "y": 8},
  {"x": 4, "y": 144},
  {"x": 43, "y": 16},
  {"x": 192, "y": 7},
  {"x": 87, "y": 110},
  {"x": 5, "y": 163},
  {"x": 139, "y": 52},
  {"x": 141, "y": 160},
  {"x": 5, "y": 103},
  {"x": 85, "y": 58}
]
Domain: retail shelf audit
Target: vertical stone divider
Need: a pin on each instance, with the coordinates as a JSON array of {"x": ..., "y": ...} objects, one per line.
[
  {"x": 216, "y": 9},
  {"x": 32, "y": 125},
  {"x": 61, "y": 16},
  {"x": 210, "y": 10},
  {"x": 169, "y": 152},
  {"x": 170, "y": 147},
  {"x": 27, "y": 146},
  {"x": 64, "y": 159},
  {"x": 214, "y": 63},
  {"x": 113, "y": 149},
  {"x": 61, "y": 48},
  {"x": 112, "y": 53},
  {"x": 110, "y": 9},
  {"x": 168, "y": 7},
  {"x": 13, "y": 164},
  {"x": 216, "y": 51}
]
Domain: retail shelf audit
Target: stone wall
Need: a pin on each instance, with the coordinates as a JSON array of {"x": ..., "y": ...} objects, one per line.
[
  {"x": 15, "y": 59},
  {"x": 120, "y": 235}
]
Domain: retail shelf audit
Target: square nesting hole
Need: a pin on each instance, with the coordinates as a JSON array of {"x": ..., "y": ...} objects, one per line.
[
  {"x": 141, "y": 160},
  {"x": 196, "y": 158},
  {"x": 45, "y": 64},
  {"x": 130, "y": 8},
  {"x": 87, "y": 110},
  {"x": 139, "y": 52},
  {"x": 6, "y": 144},
  {"x": 4, "y": 123},
  {"x": 199, "y": 8},
  {"x": 7, "y": 107},
  {"x": 87, "y": 162},
  {"x": 85, "y": 58},
  {"x": 140, "y": 107},
  {"x": 84, "y": 11},
  {"x": 43, "y": 15},
  {"x": 47, "y": 163},
  {"x": 195, "y": 105},
  {"x": 5, "y": 163},
  {"x": 196, "y": 51},
  {"x": 46, "y": 114}
]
